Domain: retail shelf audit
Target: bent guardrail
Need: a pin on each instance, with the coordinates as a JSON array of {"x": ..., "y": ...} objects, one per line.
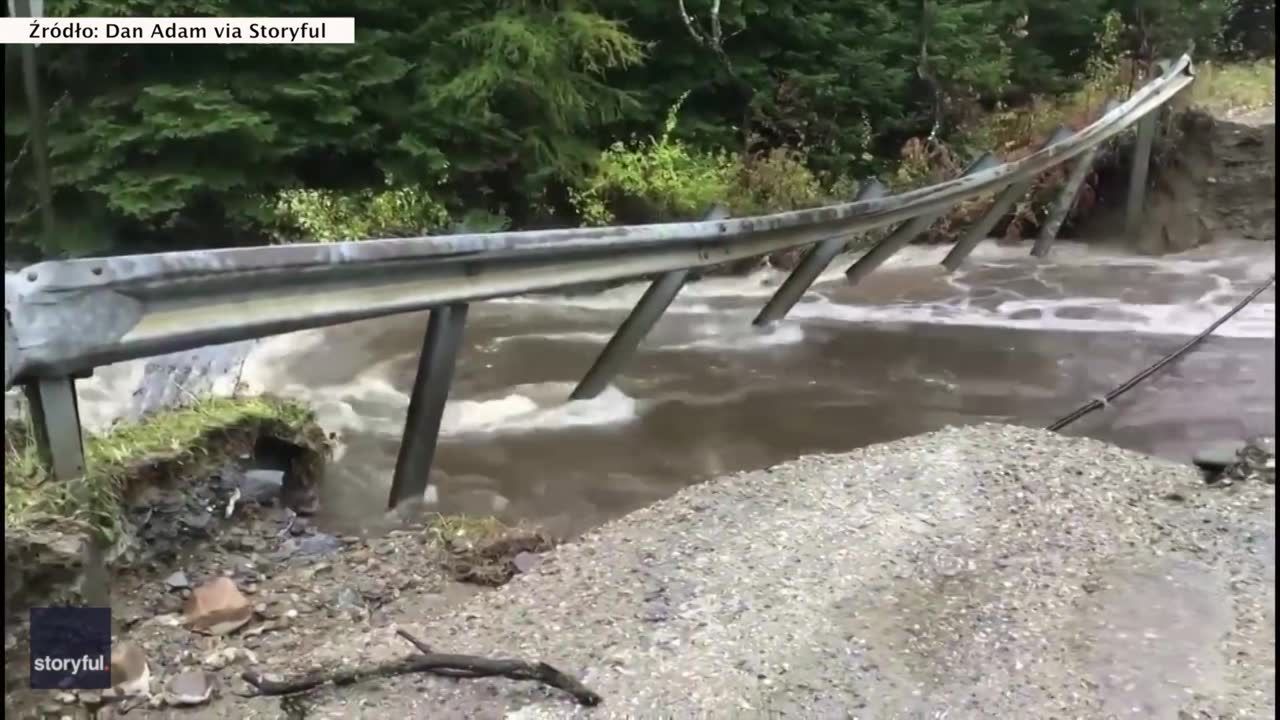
[{"x": 65, "y": 318}]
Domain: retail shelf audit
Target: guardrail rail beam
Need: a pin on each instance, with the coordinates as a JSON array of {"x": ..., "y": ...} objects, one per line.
[
  {"x": 1005, "y": 200},
  {"x": 906, "y": 232},
  {"x": 811, "y": 266},
  {"x": 430, "y": 391}
]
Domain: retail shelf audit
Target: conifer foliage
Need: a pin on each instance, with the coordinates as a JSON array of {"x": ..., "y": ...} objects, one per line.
[{"x": 503, "y": 108}]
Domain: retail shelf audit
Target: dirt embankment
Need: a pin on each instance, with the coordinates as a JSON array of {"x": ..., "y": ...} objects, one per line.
[
  {"x": 1213, "y": 176},
  {"x": 209, "y": 504}
]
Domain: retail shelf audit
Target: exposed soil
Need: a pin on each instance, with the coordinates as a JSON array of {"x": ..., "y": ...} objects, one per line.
[
  {"x": 235, "y": 513},
  {"x": 1212, "y": 177}
]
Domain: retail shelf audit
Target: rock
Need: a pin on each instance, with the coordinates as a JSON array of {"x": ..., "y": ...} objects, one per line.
[
  {"x": 220, "y": 659},
  {"x": 261, "y": 487},
  {"x": 526, "y": 561},
  {"x": 348, "y": 599},
  {"x": 130, "y": 673},
  {"x": 192, "y": 687},
  {"x": 66, "y": 698},
  {"x": 90, "y": 697},
  {"x": 316, "y": 545},
  {"x": 197, "y": 519},
  {"x": 217, "y": 607},
  {"x": 1218, "y": 456},
  {"x": 1256, "y": 460},
  {"x": 177, "y": 581}
]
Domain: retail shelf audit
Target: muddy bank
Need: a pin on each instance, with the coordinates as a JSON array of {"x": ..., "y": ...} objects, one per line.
[
  {"x": 1212, "y": 177},
  {"x": 149, "y": 495},
  {"x": 211, "y": 535}
]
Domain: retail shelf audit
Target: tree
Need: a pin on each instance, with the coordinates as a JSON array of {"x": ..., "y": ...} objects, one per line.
[{"x": 179, "y": 145}]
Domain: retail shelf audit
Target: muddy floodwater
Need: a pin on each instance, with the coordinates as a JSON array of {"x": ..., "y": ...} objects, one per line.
[{"x": 911, "y": 349}]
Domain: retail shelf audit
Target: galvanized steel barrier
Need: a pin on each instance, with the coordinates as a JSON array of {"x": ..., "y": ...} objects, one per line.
[{"x": 65, "y": 318}]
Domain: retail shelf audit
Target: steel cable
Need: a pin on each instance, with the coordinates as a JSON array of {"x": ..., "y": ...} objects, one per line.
[{"x": 1132, "y": 382}]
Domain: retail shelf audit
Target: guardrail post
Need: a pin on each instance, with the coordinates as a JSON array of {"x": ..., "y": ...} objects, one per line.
[
  {"x": 426, "y": 402},
  {"x": 1066, "y": 199},
  {"x": 55, "y": 419},
  {"x": 1138, "y": 174},
  {"x": 643, "y": 317},
  {"x": 12, "y": 363},
  {"x": 812, "y": 265},
  {"x": 907, "y": 231},
  {"x": 979, "y": 230}
]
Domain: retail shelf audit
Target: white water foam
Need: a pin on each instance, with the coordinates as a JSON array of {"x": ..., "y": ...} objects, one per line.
[
  {"x": 1108, "y": 315},
  {"x": 1234, "y": 266},
  {"x": 737, "y": 333},
  {"x": 584, "y": 338},
  {"x": 537, "y": 407}
]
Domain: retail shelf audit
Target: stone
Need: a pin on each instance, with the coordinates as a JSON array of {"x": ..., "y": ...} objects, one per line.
[
  {"x": 193, "y": 687},
  {"x": 316, "y": 545},
  {"x": 261, "y": 487},
  {"x": 177, "y": 581},
  {"x": 197, "y": 519},
  {"x": 1255, "y": 461},
  {"x": 1217, "y": 456},
  {"x": 526, "y": 561},
  {"x": 217, "y": 607},
  {"x": 130, "y": 673},
  {"x": 220, "y": 659},
  {"x": 348, "y": 599}
]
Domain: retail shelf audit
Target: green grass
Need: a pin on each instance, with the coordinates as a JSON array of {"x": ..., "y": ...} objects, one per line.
[
  {"x": 466, "y": 529},
  {"x": 1234, "y": 86},
  {"x": 182, "y": 440},
  {"x": 480, "y": 549}
]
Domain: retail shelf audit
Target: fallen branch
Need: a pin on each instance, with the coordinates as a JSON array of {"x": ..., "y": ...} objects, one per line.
[
  {"x": 423, "y": 648},
  {"x": 454, "y": 666}
]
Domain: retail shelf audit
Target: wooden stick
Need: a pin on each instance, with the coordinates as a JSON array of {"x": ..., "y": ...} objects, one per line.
[
  {"x": 455, "y": 666},
  {"x": 423, "y": 648}
]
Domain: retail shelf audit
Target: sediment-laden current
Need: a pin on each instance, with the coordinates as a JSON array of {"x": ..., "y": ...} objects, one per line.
[{"x": 910, "y": 349}]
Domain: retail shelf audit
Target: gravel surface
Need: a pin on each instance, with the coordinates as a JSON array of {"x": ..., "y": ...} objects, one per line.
[{"x": 986, "y": 571}]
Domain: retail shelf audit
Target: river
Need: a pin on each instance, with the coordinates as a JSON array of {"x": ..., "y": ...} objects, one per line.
[{"x": 911, "y": 349}]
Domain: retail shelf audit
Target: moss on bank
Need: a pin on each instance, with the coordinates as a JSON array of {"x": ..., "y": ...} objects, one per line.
[{"x": 167, "y": 446}]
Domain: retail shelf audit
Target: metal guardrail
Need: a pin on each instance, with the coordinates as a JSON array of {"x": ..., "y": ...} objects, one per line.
[{"x": 65, "y": 318}]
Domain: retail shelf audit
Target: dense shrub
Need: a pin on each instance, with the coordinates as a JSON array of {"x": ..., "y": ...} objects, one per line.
[{"x": 328, "y": 216}]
